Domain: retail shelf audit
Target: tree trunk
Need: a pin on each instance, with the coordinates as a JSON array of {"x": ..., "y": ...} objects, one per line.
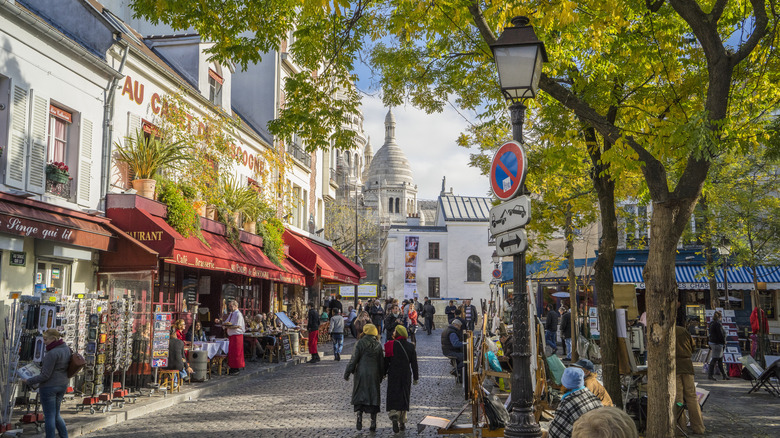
[
  {"x": 661, "y": 298},
  {"x": 605, "y": 190},
  {"x": 569, "y": 232}
]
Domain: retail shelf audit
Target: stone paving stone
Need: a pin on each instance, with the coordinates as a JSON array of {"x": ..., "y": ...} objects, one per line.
[{"x": 309, "y": 400}]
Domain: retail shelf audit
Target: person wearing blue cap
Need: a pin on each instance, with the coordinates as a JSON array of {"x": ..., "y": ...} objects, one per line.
[
  {"x": 591, "y": 383},
  {"x": 574, "y": 403}
]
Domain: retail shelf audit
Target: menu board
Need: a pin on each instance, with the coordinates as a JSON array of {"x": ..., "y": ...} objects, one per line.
[
  {"x": 286, "y": 349},
  {"x": 161, "y": 338}
]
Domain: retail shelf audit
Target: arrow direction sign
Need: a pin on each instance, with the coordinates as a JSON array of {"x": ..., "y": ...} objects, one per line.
[
  {"x": 510, "y": 215},
  {"x": 511, "y": 243}
]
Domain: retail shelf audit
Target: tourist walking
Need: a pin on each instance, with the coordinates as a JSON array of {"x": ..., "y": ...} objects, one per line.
[
  {"x": 717, "y": 341},
  {"x": 360, "y": 322},
  {"x": 551, "y": 328},
  {"x": 686, "y": 387},
  {"x": 53, "y": 381},
  {"x": 401, "y": 370},
  {"x": 566, "y": 330},
  {"x": 377, "y": 314},
  {"x": 367, "y": 364},
  {"x": 337, "y": 334},
  {"x": 392, "y": 319},
  {"x": 469, "y": 315},
  {"x": 450, "y": 311},
  {"x": 428, "y": 312},
  {"x": 313, "y": 326}
]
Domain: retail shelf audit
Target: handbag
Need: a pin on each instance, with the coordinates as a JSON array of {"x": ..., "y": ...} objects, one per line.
[
  {"x": 496, "y": 413},
  {"x": 77, "y": 362}
]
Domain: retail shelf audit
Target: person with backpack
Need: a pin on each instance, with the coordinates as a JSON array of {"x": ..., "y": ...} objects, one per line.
[{"x": 53, "y": 381}]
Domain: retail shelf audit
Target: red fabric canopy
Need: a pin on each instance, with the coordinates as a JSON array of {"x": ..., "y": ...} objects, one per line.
[
  {"x": 323, "y": 260},
  {"x": 218, "y": 255}
]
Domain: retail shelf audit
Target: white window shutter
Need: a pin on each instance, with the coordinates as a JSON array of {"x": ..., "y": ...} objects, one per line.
[
  {"x": 85, "y": 163},
  {"x": 17, "y": 138},
  {"x": 133, "y": 125},
  {"x": 36, "y": 175}
]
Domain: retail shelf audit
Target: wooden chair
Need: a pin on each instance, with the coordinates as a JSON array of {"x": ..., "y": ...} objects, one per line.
[
  {"x": 218, "y": 361},
  {"x": 304, "y": 348},
  {"x": 170, "y": 379}
]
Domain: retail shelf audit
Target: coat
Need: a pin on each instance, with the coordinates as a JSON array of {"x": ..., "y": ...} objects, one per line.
[
  {"x": 401, "y": 368},
  {"x": 390, "y": 322},
  {"x": 566, "y": 325},
  {"x": 367, "y": 364}
]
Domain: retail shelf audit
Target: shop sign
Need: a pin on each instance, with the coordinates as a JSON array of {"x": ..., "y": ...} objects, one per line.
[
  {"x": 28, "y": 228},
  {"x": 364, "y": 291},
  {"x": 18, "y": 259}
]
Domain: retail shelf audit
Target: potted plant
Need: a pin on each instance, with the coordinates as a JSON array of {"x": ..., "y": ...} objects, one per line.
[
  {"x": 58, "y": 172},
  {"x": 145, "y": 157}
]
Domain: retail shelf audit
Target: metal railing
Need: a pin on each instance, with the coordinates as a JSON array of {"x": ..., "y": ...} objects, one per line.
[{"x": 299, "y": 154}]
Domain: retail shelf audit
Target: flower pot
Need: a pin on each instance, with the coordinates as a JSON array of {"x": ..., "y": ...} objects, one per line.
[
  {"x": 58, "y": 177},
  {"x": 145, "y": 187},
  {"x": 250, "y": 227},
  {"x": 211, "y": 212}
]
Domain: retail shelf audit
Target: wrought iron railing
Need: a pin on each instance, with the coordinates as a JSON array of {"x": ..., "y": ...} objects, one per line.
[
  {"x": 61, "y": 189},
  {"x": 299, "y": 154}
]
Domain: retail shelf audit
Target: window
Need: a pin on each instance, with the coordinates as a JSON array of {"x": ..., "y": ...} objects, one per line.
[
  {"x": 473, "y": 269},
  {"x": 434, "y": 287},
  {"x": 397, "y": 205},
  {"x": 766, "y": 298},
  {"x": 53, "y": 275},
  {"x": 433, "y": 250},
  {"x": 390, "y": 205},
  {"x": 59, "y": 125},
  {"x": 215, "y": 87}
]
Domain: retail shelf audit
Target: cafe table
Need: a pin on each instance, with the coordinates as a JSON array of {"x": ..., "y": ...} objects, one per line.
[{"x": 213, "y": 348}]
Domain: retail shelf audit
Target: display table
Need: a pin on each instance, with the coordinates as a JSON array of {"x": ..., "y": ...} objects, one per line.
[{"x": 213, "y": 348}]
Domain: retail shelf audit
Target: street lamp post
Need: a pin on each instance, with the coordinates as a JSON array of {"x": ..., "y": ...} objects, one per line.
[
  {"x": 519, "y": 54},
  {"x": 724, "y": 252},
  {"x": 356, "y": 245}
]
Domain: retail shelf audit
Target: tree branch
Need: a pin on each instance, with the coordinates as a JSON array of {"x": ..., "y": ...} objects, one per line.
[
  {"x": 760, "y": 28},
  {"x": 705, "y": 30},
  {"x": 717, "y": 10},
  {"x": 481, "y": 23},
  {"x": 654, "y": 6}
]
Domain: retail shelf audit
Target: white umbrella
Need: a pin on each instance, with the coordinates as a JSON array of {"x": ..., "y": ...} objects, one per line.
[{"x": 561, "y": 295}]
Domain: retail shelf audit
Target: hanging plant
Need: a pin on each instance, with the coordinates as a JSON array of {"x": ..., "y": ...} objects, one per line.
[
  {"x": 235, "y": 200},
  {"x": 272, "y": 230},
  {"x": 182, "y": 215}
]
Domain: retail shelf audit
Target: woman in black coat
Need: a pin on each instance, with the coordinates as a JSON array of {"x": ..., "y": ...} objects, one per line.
[
  {"x": 401, "y": 368},
  {"x": 368, "y": 367}
]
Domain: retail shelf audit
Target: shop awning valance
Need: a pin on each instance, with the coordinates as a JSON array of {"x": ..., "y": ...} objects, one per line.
[
  {"x": 327, "y": 262},
  {"x": 695, "y": 276},
  {"x": 218, "y": 255},
  {"x": 39, "y": 220}
]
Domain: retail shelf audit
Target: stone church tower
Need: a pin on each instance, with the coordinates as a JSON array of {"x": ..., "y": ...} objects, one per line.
[{"x": 389, "y": 184}]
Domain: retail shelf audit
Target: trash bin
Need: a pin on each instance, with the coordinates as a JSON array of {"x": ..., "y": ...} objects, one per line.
[
  {"x": 294, "y": 343},
  {"x": 199, "y": 362}
]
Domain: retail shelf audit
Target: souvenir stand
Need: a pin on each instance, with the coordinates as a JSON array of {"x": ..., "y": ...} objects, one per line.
[{"x": 9, "y": 359}]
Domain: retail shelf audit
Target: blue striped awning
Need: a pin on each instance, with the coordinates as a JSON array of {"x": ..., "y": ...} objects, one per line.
[{"x": 690, "y": 275}]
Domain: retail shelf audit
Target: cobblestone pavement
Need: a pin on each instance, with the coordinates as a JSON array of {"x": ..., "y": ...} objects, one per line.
[{"x": 309, "y": 400}]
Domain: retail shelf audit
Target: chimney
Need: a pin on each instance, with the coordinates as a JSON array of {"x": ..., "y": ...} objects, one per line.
[{"x": 413, "y": 220}]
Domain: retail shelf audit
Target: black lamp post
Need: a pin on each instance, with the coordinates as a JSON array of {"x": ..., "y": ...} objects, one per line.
[{"x": 519, "y": 54}]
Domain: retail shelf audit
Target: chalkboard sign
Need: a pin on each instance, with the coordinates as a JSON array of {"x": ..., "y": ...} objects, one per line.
[{"x": 286, "y": 349}]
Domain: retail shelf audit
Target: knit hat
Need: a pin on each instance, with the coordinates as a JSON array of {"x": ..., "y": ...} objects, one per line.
[
  {"x": 585, "y": 364},
  {"x": 401, "y": 330},
  {"x": 573, "y": 378},
  {"x": 370, "y": 329}
]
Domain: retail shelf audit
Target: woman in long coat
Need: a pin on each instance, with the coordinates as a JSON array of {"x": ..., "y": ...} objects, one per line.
[
  {"x": 368, "y": 367},
  {"x": 401, "y": 368}
]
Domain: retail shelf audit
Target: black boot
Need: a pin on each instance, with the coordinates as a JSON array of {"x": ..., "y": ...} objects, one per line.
[
  {"x": 373, "y": 423},
  {"x": 317, "y": 357},
  {"x": 396, "y": 429},
  {"x": 722, "y": 371},
  {"x": 711, "y": 368},
  {"x": 402, "y": 426},
  {"x": 359, "y": 425}
]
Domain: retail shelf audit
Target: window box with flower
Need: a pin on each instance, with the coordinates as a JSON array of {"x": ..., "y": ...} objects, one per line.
[{"x": 58, "y": 172}]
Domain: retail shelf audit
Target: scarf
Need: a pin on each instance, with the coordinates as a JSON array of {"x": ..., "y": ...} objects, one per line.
[
  {"x": 570, "y": 391},
  {"x": 54, "y": 344}
]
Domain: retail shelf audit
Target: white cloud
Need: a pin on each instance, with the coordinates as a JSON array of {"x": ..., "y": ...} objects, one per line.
[{"x": 428, "y": 140}]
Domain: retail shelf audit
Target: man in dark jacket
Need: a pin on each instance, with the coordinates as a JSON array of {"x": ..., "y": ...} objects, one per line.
[
  {"x": 392, "y": 319},
  {"x": 335, "y": 306},
  {"x": 566, "y": 330},
  {"x": 551, "y": 328},
  {"x": 428, "y": 312},
  {"x": 452, "y": 346},
  {"x": 313, "y": 326},
  {"x": 469, "y": 314},
  {"x": 377, "y": 314},
  {"x": 450, "y": 311},
  {"x": 177, "y": 357}
]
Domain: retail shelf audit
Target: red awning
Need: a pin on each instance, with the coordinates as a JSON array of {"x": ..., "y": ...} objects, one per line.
[
  {"x": 318, "y": 258},
  {"x": 218, "y": 255},
  {"x": 44, "y": 221}
]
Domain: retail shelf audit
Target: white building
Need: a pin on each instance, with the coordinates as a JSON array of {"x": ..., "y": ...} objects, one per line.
[{"x": 453, "y": 257}]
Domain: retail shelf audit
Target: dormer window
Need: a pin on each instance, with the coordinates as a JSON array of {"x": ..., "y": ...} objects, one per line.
[{"x": 215, "y": 86}]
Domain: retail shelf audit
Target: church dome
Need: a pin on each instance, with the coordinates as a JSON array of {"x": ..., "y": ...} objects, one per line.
[{"x": 389, "y": 165}]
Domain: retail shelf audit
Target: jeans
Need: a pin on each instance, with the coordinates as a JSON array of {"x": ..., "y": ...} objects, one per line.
[
  {"x": 51, "y": 399},
  {"x": 338, "y": 342},
  {"x": 568, "y": 347},
  {"x": 550, "y": 339}
]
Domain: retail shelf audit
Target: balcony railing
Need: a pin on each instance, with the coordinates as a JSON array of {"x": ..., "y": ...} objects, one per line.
[
  {"x": 59, "y": 189},
  {"x": 299, "y": 154}
]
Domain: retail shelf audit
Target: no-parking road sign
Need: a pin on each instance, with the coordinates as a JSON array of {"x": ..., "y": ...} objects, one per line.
[{"x": 507, "y": 172}]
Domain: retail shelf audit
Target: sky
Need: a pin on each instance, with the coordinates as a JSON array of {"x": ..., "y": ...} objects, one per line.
[{"x": 429, "y": 143}]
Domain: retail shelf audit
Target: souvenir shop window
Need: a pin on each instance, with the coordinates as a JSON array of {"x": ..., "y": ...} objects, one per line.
[
  {"x": 53, "y": 275},
  {"x": 768, "y": 301}
]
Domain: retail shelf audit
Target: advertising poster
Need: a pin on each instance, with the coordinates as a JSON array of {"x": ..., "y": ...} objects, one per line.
[
  {"x": 161, "y": 338},
  {"x": 411, "y": 245}
]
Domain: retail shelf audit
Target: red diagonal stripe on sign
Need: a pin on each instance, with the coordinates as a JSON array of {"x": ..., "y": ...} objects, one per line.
[{"x": 512, "y": 177}]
